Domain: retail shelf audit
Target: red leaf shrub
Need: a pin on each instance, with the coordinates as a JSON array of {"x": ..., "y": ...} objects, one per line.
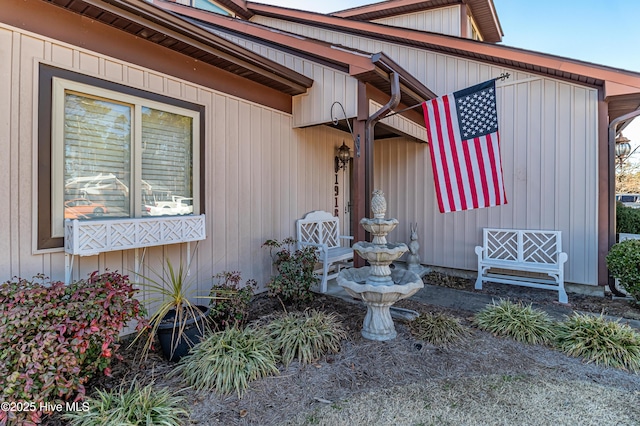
[{"x": 53, "y": 338}]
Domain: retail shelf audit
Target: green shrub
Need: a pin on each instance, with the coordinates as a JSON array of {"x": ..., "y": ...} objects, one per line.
[
  {"x": 55, "y": 337},
  {"x": 623, "y": 262},
  {"x": 133, "y": 405},
  {"x": 522, "y": 323},
  {"x": 294, "y": 277},
  {"x": 437, "y": 329},
  {"x": 228, "y": 360},
  {"x": 600, "y": 341},
  {"x": 306, "y": 335},
  {"x": 232, "y": 309},
  {"x": 627, "y": 219}
]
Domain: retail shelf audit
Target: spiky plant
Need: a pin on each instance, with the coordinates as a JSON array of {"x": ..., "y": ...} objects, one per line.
[
  {"x": 438, "y": 329},
  {"x": 601, "y": 341},
  {"x": 132, "y": 405},
  {"x": 228, "y": 360},
  {"x": 306, "y": 335},
  {"x": 520, "y": 322}
]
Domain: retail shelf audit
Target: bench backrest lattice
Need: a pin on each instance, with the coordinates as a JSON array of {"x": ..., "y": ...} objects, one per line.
[
  {"x": 322, "y": 230},
  {"x": 530, "y": 246},
  {"x": 319, "y": 230}
]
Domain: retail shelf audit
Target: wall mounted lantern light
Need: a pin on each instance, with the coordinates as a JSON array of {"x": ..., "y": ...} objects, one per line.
[
  {"x": 343, "y": 157},
  {"x": 623, "y": 149}
]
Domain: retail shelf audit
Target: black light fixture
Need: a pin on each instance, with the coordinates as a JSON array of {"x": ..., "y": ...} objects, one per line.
[{"x": 343, "y": 157}]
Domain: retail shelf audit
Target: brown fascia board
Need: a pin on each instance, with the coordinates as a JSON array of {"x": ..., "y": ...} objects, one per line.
[
  {"x": 573, "y": 70},
  {"x": 342, "y": 59},
  {"x": 152, "y": 16},
  {"x": 238, "y": 6},
  {"x": 359, "y": 64},
  {"x": 482, "y": 11}
]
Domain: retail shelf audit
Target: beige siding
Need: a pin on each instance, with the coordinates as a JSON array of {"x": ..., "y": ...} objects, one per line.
[
  {"x": 402, "y": 125},
  {"x": 548, "y": 133},
  {"x": 444, "y": 20},
  {"x": 260, "y": 174},
  {"x": 329, "y": 84}
]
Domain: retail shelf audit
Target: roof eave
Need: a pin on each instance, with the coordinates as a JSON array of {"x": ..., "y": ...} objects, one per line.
[{"x": 150, "y": 20}]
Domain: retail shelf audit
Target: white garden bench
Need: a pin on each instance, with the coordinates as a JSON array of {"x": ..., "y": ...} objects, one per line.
[
  {"x": 322, "y": 230},
  {"x": 505, "y": 252}
]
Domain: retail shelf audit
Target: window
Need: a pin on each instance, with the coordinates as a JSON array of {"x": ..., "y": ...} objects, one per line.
[{"x": 115, "y": 154}]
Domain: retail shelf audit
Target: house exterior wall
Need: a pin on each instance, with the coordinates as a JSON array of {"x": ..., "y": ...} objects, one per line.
[
  {"x": 444, "y": 20},
  {"x": 329, "y": 84},
  {"x": 548, "y": 131},
  {"x": 260, "y": 173}
]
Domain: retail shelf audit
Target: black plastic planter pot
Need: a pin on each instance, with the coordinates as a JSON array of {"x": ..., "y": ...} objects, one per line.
[{"x": 192, "y": 334}]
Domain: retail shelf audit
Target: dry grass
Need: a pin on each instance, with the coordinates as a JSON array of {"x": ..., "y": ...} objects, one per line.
[{"x": 488, "y": 400}]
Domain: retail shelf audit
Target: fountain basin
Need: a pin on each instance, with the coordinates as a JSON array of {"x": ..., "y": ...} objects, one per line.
[
  {"x": 380, "y": 257},
  {"x": 379, "y": 228},
  {"x": 378, "y": 324}
]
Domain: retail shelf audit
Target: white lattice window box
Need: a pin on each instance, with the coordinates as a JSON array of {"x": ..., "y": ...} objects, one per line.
[{"x": 91, "y": 237}]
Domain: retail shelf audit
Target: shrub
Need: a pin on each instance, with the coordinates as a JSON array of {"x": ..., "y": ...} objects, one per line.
[
  {"x": 600, "y": 341},
  {"x": 295, "y": 276},
  {"x": 627, "y": 219},
  {"x": 623, "y": 262},
  {"x": 522, "y": 323},
  {"x": 232, "y": 309},
  {"x": 437, "y": 329},
  {"x": 135, "y": 405},
  {"x": 55, "y": 337},
  {"x": 306, "y": 335},
  {"x": 228, "y": 360}
]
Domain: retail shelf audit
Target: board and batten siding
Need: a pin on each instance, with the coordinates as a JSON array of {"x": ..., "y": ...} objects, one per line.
[
  {"x": 444, "y": 20},
  {"x": 329, "y": 84},
  {"x": 548, "y": 133},
  {"x": 260, "y": 173}
]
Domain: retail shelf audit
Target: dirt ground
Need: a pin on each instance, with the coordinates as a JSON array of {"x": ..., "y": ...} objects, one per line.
[{"x": 480, "y": 380}]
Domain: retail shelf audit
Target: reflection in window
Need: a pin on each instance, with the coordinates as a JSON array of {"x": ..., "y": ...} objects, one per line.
[{"x": 97, "y": 158}]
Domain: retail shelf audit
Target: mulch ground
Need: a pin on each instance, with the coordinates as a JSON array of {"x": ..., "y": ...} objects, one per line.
[{"x": 363, "y": 366}]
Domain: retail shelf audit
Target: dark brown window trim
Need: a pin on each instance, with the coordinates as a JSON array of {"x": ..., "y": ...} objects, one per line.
[{"x": 46, "y": 73}]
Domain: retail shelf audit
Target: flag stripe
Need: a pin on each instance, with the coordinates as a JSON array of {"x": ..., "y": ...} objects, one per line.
[
  {"x": 471, "y": 173},
  {"x": 428, "y": 108}
]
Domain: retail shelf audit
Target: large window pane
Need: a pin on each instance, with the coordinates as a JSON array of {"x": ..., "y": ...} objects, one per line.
[
  {"x": 97, "y": 157},
  {"x": 167, "y": 158}
]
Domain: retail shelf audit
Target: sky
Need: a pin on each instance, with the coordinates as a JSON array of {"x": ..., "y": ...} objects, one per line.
[{"x": 598, "y": 31}]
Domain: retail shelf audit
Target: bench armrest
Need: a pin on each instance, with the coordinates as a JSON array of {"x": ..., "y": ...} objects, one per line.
[
  {"x": 479, "y": 251},
  {"x": 345, "y": 237},
  {"x": 562, "y": 257},
  {"x": 322, "y": 248}
]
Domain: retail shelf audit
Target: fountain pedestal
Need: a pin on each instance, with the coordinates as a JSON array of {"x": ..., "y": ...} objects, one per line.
[{"x": 377, "y": 285}]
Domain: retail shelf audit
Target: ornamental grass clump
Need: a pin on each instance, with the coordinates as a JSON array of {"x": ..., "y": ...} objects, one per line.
[
  {"x": 598, "y": 340},
  {"x": 522, "y": 323},
  {"x": 306, "y": 335},
  {"x": 132, "y": 405},
  {"x": 437, "y": 329},
  {"x": 226, "y": 361}
]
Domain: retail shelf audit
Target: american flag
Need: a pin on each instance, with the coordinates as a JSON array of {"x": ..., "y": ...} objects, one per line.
[{"x": 462, "y": 128}]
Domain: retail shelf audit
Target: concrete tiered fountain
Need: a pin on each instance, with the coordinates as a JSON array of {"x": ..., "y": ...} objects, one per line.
[{"x": 377, "y": 285}]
